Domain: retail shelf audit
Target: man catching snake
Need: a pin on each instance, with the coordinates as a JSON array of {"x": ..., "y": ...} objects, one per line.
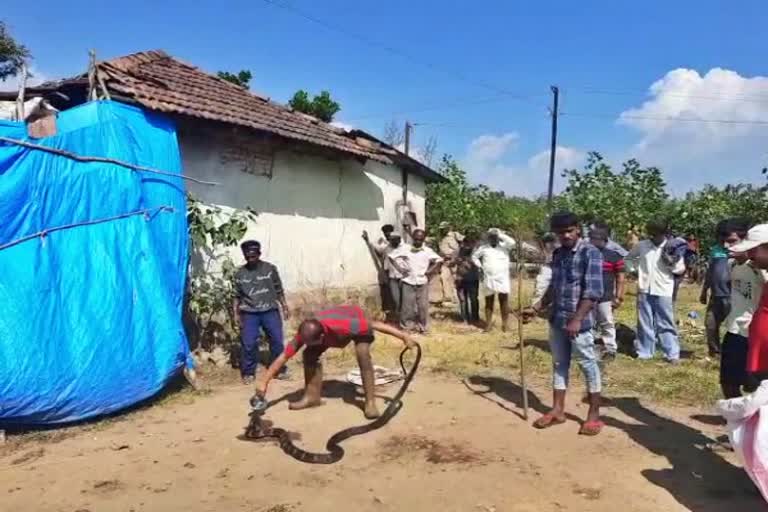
[{"x": 333, "y": 328}]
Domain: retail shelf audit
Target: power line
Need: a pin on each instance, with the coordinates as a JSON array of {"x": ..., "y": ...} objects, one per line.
[
  {"x": 713, "y": 97},
  {"x": 458, "y": 103},
  {"x": 668, "y": 118},
  {"x": 402, "y": 54}
]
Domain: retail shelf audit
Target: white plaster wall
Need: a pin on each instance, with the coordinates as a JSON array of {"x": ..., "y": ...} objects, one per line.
[{"x": 312, "y": 212}]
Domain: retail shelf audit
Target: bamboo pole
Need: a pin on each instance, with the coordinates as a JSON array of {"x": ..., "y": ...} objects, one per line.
[
  {"x": 520, "y": 326},
  {"x": 22, "y": 92}
]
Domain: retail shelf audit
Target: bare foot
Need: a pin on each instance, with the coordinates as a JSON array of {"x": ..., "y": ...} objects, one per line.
[
  {"x": 371, "y": 411},
  {"x": 304, "y": 403}
]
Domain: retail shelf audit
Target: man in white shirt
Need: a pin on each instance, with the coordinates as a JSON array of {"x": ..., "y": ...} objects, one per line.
[
  {"x": 746, "y": 285},
  {"x": 656, "y": 267},
  {"x": 389, "y": 276},
  {"x": 417, "y": 263},
  {"x": 492, "y": 257}
]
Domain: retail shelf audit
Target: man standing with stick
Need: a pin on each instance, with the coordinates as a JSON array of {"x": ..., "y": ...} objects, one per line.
[{"x": 577, "y": 285}]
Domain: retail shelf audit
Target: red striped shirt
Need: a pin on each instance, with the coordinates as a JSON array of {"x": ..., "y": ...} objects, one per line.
[{"x": 341, "y": 325}]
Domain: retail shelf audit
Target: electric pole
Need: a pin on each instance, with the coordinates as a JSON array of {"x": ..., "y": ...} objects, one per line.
[
  {"x": 408, "y": 128},
  {"x": 553, "y": 147}
]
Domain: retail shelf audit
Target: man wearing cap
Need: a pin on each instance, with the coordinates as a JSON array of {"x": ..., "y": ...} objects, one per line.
[
  {"x": 755, "y": 245},
  {"x": 259, "y": 296},
  {"x": 492, "y": 257},
  {"x": 448, "y": 249}
]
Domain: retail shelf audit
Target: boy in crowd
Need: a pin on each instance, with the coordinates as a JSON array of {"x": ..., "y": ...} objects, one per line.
[
  {"x": 657, "y": 265},
  {"x": 467, "y": 281},
  {"x": 333, "y": 328},
  {"x": 417, "y": 264},
  {"x": 716, "y": 290},
  {"x": 577, "y": 285},
  {"x": 613, "y": 289}
]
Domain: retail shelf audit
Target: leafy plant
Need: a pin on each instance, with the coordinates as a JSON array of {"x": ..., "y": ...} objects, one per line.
[
  {"x": 12, "y": 53},
  {"x": 322, "y": 106},
  {"x": 242, "y": 78},
  {"x": 210, "y": 293}
]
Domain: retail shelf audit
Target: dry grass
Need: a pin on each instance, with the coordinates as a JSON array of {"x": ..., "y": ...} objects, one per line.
[{"x": 460, "y": 350}]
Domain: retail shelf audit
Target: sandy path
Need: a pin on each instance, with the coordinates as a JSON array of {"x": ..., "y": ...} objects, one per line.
[{"x": 448, "y": 449}]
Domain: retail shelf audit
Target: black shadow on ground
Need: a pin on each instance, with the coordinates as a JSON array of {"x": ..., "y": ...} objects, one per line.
[
  {"x": 509, "y": 392},
  {"x": 334, "y": 389},
  {"x": 699, "y": 479}
]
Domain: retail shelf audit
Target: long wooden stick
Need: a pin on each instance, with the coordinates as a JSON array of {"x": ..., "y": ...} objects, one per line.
[
  {"x": 81, "y": 158},
  {"x": 521, "y": 344}
]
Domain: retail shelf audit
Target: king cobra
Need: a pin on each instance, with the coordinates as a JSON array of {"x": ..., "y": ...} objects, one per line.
[{"x": 255, "y": 429}]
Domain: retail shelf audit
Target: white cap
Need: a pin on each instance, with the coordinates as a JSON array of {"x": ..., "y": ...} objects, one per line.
[
  {"x": 494, "y": 231},
  {"x": 758, "y": 235},
  {"x": 395, "y": 234}
]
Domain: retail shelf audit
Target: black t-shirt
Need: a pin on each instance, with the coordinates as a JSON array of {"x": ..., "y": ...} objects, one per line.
[{"x": 613, "y": 264}]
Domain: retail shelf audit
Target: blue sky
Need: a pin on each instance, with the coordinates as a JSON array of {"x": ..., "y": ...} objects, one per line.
[{"x": 477, "y": 74}]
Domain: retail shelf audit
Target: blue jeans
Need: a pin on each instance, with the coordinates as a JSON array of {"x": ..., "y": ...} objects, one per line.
[
  {"x": 583, "y": 348},
  {"x": 656, "y": 319},
  {"x": 252, "y": 324}
]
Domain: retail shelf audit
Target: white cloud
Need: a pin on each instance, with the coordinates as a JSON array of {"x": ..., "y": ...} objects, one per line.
[
  {"x": 565, "y": 158},
  {"x": 493, "y": 161},
  {"x": 491, "y": 148},
  {"x": 696, "y": 152},
  {"x": 12, "y": 84}
]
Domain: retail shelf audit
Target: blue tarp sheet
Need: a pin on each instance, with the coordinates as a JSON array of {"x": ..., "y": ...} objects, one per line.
[{"x": 90, "y": 315}]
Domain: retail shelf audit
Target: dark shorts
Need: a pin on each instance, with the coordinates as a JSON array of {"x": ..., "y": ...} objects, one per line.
[
  {"x": 733, "y": 361},
  {"x": 312, "y": 354}
]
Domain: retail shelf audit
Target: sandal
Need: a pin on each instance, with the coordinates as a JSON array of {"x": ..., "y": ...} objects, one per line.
[
  {"x": 591, "y": 428},
  {"x": 548, "y": 420}
]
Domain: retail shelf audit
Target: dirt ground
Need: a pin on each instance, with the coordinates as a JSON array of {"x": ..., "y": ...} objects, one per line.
[{"x": 455, "y": 446}]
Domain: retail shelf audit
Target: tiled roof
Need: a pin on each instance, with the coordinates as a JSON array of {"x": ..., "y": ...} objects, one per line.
[{"x": 160, "y": 82}]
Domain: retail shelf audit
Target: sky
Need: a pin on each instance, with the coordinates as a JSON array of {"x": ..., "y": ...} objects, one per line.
[{"x": 679, "y": 85}]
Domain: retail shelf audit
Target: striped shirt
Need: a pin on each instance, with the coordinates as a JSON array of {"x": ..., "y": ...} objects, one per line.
[
  {"x": 577, "y": 274},
  {"x": 341, "y": 325}
]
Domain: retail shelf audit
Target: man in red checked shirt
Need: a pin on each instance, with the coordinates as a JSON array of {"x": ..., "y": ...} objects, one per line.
[{"x": 334, "y": 327}]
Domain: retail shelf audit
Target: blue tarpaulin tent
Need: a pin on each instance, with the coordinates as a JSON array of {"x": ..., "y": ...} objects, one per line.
[{"x": 92, "y": 266}]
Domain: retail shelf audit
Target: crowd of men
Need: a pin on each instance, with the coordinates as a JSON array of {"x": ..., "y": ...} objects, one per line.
[{"x": 577, "y": 289}]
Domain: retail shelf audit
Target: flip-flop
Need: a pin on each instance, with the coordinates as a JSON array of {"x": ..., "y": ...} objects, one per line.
[
  {"x": 548, "y": 420},
  {"x": 591, "y": 428}
]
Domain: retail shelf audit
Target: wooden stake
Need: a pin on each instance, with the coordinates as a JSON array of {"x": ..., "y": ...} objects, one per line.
[
  {"x": 521, "y": 344},
  {"x": 22, "y": 92}
]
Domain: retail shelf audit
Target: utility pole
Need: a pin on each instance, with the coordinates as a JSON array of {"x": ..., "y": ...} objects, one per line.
[
  {"x": 553, "y": 147},
  {"x": 408, "y": 128},
  {"x": 404, "y": 205}
]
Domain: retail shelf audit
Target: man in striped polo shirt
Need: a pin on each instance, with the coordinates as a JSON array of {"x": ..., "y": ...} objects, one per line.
[{"x": 333, "y": 328}]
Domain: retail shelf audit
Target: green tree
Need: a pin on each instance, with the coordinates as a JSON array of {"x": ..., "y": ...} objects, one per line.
[
  {"x": 242, "y": 78},
  {"x": 624, "y": 200},
  {"x": 475, "y": 208},
  {"x": 322, "y": 106},
  {"x": 12, "y": 53},
  {"x": 699, "y": 212}
]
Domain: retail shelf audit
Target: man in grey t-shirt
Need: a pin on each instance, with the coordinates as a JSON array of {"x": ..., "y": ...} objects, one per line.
[{"x": 259, "y": 296}]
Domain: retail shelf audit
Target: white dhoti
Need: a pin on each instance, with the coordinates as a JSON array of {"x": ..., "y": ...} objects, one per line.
[{"x": 497, "y": 282}]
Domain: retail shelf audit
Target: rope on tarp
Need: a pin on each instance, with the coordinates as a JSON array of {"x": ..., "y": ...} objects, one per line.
[
  {"x": 147, "y": 212},
  {"x": 100, "y": 159}
]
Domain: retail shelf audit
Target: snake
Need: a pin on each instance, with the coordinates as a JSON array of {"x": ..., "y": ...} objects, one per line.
[{"x": 255, "y": 430}]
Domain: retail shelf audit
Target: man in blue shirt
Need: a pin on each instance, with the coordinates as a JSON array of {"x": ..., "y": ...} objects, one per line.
[{"x": 576, "y": 286}]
